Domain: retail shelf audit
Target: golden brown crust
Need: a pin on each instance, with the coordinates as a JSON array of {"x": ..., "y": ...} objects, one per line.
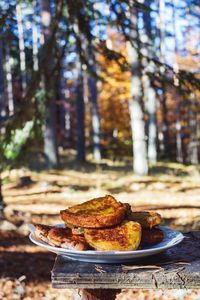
[
  {"x": 58, "y": 235},
  {"x": 41, "y": 231},
  {"x": 75, "y": 230},
  {"x": 151, "y": 236},
  {"x": 62, "y": 237},
  {"x": 96, "y": 213},
  {"x": 123, "y": 237},
  {"x": 147, "y": 219}
]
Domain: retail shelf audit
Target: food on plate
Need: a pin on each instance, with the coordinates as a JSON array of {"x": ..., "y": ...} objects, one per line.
[
  {"x": 103, "y": 224},
  {"x": 62, "y": 237},
  {"x": 127, "y": 208},
  {"x": 75, "y": 230},
  {"x": 147, "y": 219},
  {"x": 151, "y": 236},
  {"x": 96, "y": 213},
  {"x": 41, "y": 231},
  {"x": 123, "y": 237}
]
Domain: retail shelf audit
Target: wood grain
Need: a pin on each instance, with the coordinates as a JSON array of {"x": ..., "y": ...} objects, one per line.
[{"x": 178, "y": 267}]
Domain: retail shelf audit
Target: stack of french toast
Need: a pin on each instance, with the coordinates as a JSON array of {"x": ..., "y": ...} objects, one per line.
[{"x": 103, "y": 224}]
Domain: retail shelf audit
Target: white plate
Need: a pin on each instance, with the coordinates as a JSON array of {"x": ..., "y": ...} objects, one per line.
[{"x": 171, "y": 238}]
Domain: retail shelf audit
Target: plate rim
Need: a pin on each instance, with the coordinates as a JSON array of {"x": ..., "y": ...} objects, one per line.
[{"x": 177, "y": 239}]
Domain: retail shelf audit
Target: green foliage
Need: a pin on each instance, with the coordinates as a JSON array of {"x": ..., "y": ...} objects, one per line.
[
  {"x": 18, "y": 139},
  {"x": 21, "y": 141}
]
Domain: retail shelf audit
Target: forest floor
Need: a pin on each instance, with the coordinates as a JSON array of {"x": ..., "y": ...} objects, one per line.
[{"x": 171, "y": 189}]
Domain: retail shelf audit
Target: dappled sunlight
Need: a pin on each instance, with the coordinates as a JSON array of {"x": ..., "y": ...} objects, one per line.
[{"x": 171, "y": 195}]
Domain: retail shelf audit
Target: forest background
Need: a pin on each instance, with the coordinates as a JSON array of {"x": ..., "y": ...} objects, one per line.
[{"x": 96, "y": 97}]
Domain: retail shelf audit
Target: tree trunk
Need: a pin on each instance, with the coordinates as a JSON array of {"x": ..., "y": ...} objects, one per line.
[
  {"x": 2, "y": 95},
  {"x": 140, "y": 165},
  {"x": 92, "y": 82},
  {"x": 2, "y": 204},
  {"x": 80, "y": 112},
  {"x": 165, "y": 127},
  {"x": 149, "y": 92},
  {"x": 50, "y": 134},
  {"x": 35, "y": 37},
  {"x": 193, "y": 146},
  {"x": 179, "y": 144},
  {"x": 2, "y": 114},
  {"x": 2, "y": 90},
  {"x": 21, "y": 45},
  {"x": 9, "y": 85},
  {"x": 80, "y": 104}
]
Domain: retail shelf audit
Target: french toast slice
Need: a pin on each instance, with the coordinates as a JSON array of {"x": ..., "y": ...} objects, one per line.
[
  {"x": 123, "y": 237},
  {"x": 75, "y": 230},
  {"x": 147, "y": 219},
  {"x": 61, "y": 237},
  {"x": 151, "y": 236},
  {"x": 96, "y": 213},
  {"x": 41, "y": 231}
]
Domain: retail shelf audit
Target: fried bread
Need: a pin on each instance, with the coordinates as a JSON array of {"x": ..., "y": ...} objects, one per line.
[
  {"x": 151, "y": 237},
  {"x": 96, "y": 213},
  {"x": 62, "y": 237},
  {"x": 123, "y": 237},
  {"x": 41, "y": 231},
  {"x": 147, "y": 219},
  {"x": 75, "y": 230}
]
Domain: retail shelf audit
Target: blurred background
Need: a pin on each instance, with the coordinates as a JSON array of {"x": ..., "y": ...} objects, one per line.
[{"x": 96, "y": 97}]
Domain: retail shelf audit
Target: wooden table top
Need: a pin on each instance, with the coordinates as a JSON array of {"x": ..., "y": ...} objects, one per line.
[{"x": 178, "y": 267}]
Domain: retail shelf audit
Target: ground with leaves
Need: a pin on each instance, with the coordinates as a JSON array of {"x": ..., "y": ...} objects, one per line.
[{"x": 171, "y": 189}]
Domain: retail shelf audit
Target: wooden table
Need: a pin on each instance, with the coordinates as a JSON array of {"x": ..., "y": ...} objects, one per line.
[{"x": 178, "y": 267}]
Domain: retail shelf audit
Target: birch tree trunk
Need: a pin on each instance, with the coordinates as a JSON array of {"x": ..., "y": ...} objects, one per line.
[
  {"x": 149, "y": 92},
  {"x": 80, "y": 110},
  {"x": 9, "y": 85},
  {"x": 2, "y": 89},
  {"x": 92, "y": 82},
  {"x": 80, "y": 113},
  {"x": 165, "y": 128},
  {"x": 21, "y": 45},
  {"x": 140, "y": 165},
  {"x": 179, "y": 146},
  {"x": 35, "y": 37},
  {"x": 50, "y": 134},
  {"x": 2, "y": 95}
]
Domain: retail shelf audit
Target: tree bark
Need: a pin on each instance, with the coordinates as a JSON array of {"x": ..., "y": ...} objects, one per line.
[
  {"x": 193, "y": 146},
  {"x": 80, "y": 112},
  {"x": 2, "y": 93},
  {"x": 179, "y": 144},
  {"x": 165, "y": 127},
  {"x": 21, "y": 45},
  {"x": 50, "y": 134},
  {"x": 80, "y": 104},
  {"x": 2, "y": 114},
  {"x": 140, "y": 165},
  {"x": 35, "y": 37},
  {"x": 92, "y": 82},
  {"x": 9, "y": 85},
  {"x": 149, "y": 92},
  {"x": 1, "y": 199}
]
